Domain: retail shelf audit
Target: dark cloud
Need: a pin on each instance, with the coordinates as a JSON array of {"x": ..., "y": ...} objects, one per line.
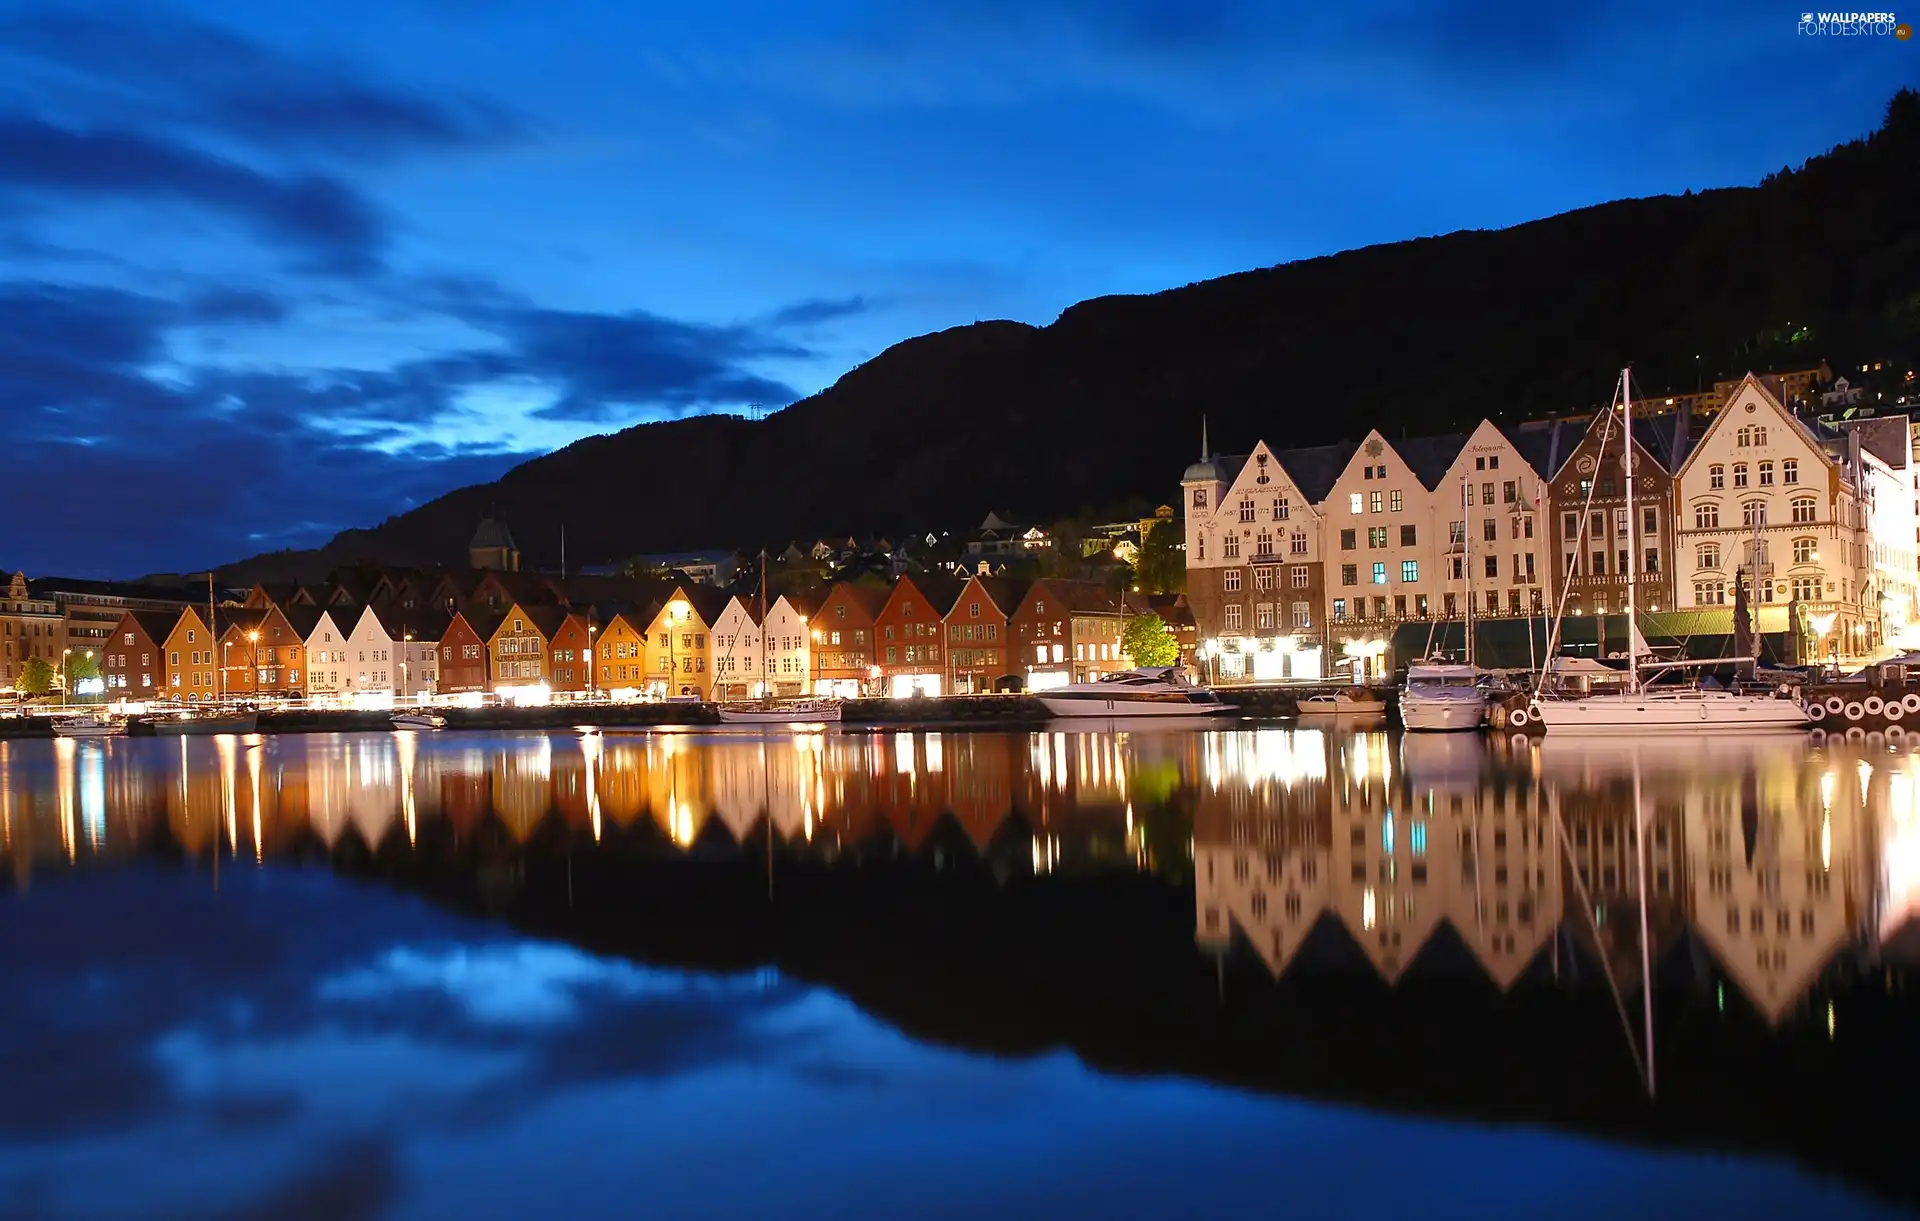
[
  {"x": 608, "y": 364},
  {"x": 350, "y": 1180},
  {"x": 191, "y": 73},
  {"x": 209, "y": 464},
  {"x": 320, "y": 216},
  {"x": 821, "y": 309}
]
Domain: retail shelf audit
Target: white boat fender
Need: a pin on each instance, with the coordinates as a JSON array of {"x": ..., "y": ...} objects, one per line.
[
  {"x": 1910, "y": 701},
  {"x": 1893, "y": 711},
  {"x": 1874, "y": 705},
  {"x": 1896, "y": 732},
  {"x": 1518, "y": 718},
  {"x": 1835, "y": 704}
]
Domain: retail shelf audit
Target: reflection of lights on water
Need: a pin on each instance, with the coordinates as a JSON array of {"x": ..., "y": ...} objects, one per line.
[
  {"x": 590, "y": 748},
  {"x": 224, "y": 746},
  {"x": 1866, "y": 774},
  {"x": 63, "y": 749},
  {"x": 404, "y": 746},
  {"x": 1829, "y": 1021},
  {"x": 253, "y": 787}
]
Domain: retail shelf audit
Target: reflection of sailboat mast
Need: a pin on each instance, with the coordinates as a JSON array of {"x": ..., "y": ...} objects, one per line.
[{"x": 1646, "y": 948}]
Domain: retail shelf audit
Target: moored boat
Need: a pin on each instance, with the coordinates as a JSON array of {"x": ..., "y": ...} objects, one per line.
[
  {"x": 177, "y": 724},
  {"x": 1157, "y": 691},
  {"x": 1351, "y": 701},
  {"x": 418, "y": 719},
  {"x": 797, "y": 712},
  {"x": 1442, "y": 697},
  {"x": 89, "y": 725}
]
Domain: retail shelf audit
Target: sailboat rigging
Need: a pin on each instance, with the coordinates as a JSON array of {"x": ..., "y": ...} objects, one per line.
[{"x": 1640, "y": 708}]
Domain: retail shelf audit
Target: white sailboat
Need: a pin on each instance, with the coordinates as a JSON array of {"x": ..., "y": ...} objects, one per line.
[
  {"x": 1643, "y": 709},
  {"x": 765, "y": 710}
]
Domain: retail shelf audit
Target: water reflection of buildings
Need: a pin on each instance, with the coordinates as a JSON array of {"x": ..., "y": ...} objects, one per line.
[
  {"x": 1756, "y": 854},
  {"x": 1764, "y": 861}
]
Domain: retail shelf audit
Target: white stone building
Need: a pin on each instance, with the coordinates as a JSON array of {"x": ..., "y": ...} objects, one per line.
[
  {"x": 1801, "y": 513},
  {"x": 329, "y": 673}
]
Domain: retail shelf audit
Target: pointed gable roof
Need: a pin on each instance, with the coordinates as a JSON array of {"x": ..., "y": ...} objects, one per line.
[
  {"x": 939, "y": 592},
  {"x": 1749, "y": 389},
  {"x": 1006, "y": 593},
  {"x": 1315, "y": 468},
  {"x": 303, "y": 617},
  {"x": 1430, "y": 458},
  {"x": 158, "y": 625}
]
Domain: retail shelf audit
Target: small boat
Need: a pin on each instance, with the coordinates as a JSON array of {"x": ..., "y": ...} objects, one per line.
[
  {"x": 798, "y": 712},
  {"x": 1442, "y": 697},
  {"x": 1157, "y": 691},
  {"x": 177, "y": 724},
  {"x": 1353, "y": 701},
  {"x": 417, "y": 720},
  {"x": 89, "y": 725}
]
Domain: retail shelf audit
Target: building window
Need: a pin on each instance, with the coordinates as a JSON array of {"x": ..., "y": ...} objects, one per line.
[
  {"x": 1806, "y": 589},
  {"x": 1349, "y": 539},
  {"x": 1349, "y": 574},
  {"x": 1752, "y": 436},
  {"x": 1766, "y": 474},
  {"x": 1706, "y": 517},
  {"x": 1297, "y": 543},
  {"x": 1649, "y": 521},
  {"x": 1230, "y": 546},
  {"x": 1753, "y": 513},
  {"x": 1407, "y": 536},
  {"x": 1803, "y": 551},
  {"x": 1302, "y": 615},
  {"x": 1380, "y": 574},
  {"x": 1489, "y": 530},
  {"x": 1373, "y": 502},
  {"x": 1803, "y": 510},
  {"x": 1263, "y": 617},
  {"x": 1706, "y": 555},
  {"x": 1353, "y": 502},
  {"x": 1263, "y": 543},
  {"x": 1486, "y": 493},
  {"x": 1710, "y": 593},
  {"x": 1510, "y": 492},
  {"x": 1246, "y": 509},
  {"x": 1299, "y": 577},
  {"x": 1230, "y": 581},
  {"x": 1393, "y": 501},
  {"x": 1339, "y": 608},
  {"x": 1263, "y": 578},
  {"x": 1653, "y": 560},
  {"x": 1739, "y": 474},
  {"x": 1376, "y": 538},
  {"x": 1716, "y": 477},
  {"x": 1493, "y": 566},
  {"x": 1569, "y": 526},
  {"x": 1790, "y": 470},
  {"x": 1409, "y": 571},
  {"x": 1233, "y": 623}
]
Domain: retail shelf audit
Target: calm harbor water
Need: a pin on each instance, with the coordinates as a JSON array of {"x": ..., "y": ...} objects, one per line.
[{"x": 956, "y": 974}]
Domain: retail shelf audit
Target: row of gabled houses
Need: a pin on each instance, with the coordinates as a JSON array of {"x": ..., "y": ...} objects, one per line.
[
  {"x": 1301, "y": 561},
  {"x": 372, "y": 637}
]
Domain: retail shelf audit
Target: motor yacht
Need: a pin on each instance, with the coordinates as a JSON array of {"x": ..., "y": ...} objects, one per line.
[
  {"x": 1157, "y": 691},
  {"x": 1442, "y": 697}
]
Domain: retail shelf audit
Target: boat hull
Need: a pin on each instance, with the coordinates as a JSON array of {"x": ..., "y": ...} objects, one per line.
[
  {"x": 1112, "y": 709},
  {"x": 1704, "y": 713},
  {"x": 1324, "y": 707},
  {"x": 417, "y": 723},
  {"x": 1423, "y": 715},
  {"x": 206, "y": 725},
  {"x": 90, "y": 731},
  {"x": 776, "y": 716}
]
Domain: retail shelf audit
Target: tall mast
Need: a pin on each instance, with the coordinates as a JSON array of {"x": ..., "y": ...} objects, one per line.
[
  {"x": 1466, "y": 560},
  {"x": 219, "y": 653},
  {"x": 1633, "y": 552},
  {"x": 763, "y": 688}
]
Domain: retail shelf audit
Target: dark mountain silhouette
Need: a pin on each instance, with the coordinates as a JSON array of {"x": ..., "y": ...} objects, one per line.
[{"x": 1420, "y": 336}]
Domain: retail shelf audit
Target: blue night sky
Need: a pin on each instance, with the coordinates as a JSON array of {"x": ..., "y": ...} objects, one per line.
[{"x": 270, "y": 271}]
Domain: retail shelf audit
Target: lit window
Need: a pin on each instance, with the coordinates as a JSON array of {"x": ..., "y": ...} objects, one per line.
[{"x": 1380, "y": 574}]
